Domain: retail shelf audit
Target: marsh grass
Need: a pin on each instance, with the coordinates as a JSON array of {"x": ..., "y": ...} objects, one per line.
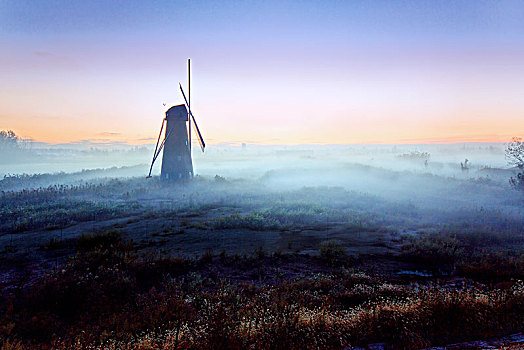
[
  {"x": 288, "y": 216},
  {"x": 484, "y": 256},
  {"x": 253, "y": 221},
  {"x": 59, "y": 214},
  {"x": 110, "y": 297}
]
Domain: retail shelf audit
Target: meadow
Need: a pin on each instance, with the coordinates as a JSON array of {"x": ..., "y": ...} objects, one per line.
[{"x": 305, "y": 251}]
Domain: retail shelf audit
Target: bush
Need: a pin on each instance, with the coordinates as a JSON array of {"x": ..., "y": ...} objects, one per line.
[
  {"x": 517, "y": 182},
  {"x": 433, "y": 249},
  {"x": 332, "y": 250},
  {"x": 254, "y": 221},
  {"x": 515, "y": 152},
  {"x": 9, "y": 140},
  {"x": 486, "y": 257},
  {"x": 87, "y": 242}
]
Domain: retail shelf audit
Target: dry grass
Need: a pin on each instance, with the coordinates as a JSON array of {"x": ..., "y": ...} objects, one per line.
[{"x": 109, "y": 297}]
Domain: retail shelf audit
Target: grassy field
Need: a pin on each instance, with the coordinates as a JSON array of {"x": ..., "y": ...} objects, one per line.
[{"x": 218, "y": 263}]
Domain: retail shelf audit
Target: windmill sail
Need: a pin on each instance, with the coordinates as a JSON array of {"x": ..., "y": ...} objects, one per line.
[
  {"x": 162, "y": 145},
  {"x": 199, "y": 135},
  {"x": 155, "y": 154},
  {"x": 197, "y": 130},
  {"x": 158, "y": 148}
]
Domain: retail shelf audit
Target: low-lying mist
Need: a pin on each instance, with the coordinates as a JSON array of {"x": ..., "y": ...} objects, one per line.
[{"x": 440, "y": 183}]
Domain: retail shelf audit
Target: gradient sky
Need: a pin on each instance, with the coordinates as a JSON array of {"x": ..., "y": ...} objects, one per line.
[{"x": 283, "y": 72}]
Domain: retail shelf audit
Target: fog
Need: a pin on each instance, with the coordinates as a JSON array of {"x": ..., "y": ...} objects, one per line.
[
  {"x": 371, "y": 198},
  {"x": 253, "y": 161},
  {"x": 429, "y": 177}
]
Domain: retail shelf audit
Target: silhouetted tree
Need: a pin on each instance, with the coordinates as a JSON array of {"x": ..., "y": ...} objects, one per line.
[
  {"x": 515, "y": 152},
  {"x": 515, "y": 156},
  {"x": 9, "y": 140}
]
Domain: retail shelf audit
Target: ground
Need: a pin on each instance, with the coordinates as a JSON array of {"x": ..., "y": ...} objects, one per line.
[{"x": 420, "y": 242}]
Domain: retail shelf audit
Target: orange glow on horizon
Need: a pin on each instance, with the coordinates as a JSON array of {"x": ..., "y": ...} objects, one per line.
[
  {"x": 264, "y": 73},
  {"x": 415, "y": 134}
]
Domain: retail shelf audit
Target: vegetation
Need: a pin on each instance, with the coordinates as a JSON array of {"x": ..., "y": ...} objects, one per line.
[
  {"x": 254, "y": 221},
  {"x": 284, "y": 216},
  {"x": 9, "y": 140},
  {"x": 486, "y": 257},
  {"x": 108, "y": 296},
  {"x": 332, "y": 250},
  {"x": 415, "y": 155},
  {"x": 57, "y": 214},
  {"x": 515, "y": 157},
  {"x": 518, "y": 181},
  {"x": 315, "y": 267},
  {"x": 515, "y": 152}
]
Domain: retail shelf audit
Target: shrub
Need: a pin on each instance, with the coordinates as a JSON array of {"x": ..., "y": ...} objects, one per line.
[
  {"x": 253, "y": 221},
  {"x": 515, "y": 152},
  {"x": 332, "y": 250},
  {"x": 105, "y": 239},
  {"x": 433, "y": 249},
  {"x": 517, "y": 182},
  {"x": 486, "y": 257}
]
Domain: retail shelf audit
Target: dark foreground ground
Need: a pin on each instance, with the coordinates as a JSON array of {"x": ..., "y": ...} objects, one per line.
[{"x": 219, "y": 263}]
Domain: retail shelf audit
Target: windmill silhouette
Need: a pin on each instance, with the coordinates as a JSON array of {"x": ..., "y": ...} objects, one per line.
[{"x": 176, "y": 160}]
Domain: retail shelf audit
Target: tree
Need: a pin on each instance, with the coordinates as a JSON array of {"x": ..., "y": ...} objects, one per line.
[
  {"x": 9, "y": 140},
  {"x": 515, "y": 152},
  {"x": 517, "y": 182},
  {"x": 515, "y": 156}
]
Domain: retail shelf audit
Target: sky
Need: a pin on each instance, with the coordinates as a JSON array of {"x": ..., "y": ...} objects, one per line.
[{"x": 265, "y": 72}]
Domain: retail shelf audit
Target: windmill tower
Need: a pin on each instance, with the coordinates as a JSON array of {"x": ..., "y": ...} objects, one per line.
[{"x": 176, "y": 161}]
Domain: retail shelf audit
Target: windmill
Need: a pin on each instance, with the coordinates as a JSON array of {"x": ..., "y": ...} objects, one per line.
[{"x": 176, "y": 160}]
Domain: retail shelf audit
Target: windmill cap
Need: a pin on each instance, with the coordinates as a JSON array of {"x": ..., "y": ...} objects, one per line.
[{"x": 177, "y": 112}]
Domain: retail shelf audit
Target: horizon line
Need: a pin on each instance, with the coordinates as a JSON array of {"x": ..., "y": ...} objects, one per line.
[{"x": 240, "y": 143}]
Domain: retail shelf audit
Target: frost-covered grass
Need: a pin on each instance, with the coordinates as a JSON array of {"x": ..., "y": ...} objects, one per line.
[
  {"x": 483, "y": 255},
  {"x": 110, "y": 297},
  {"x": 112, "y": 294}
]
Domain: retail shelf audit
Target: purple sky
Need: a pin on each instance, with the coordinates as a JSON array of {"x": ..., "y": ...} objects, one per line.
[{"x": 264, "y": 72}]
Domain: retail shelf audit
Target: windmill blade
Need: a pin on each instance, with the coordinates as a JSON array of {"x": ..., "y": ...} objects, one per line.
[
  {"x": 156, "y": 147},
  {"x": 197, "y": 130},
  {"x": 185, "y": 99},
  {"x": 199, "y": 135},
  {"x": 159, "y": 134},
  {"x": 162, "y": 145}
]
